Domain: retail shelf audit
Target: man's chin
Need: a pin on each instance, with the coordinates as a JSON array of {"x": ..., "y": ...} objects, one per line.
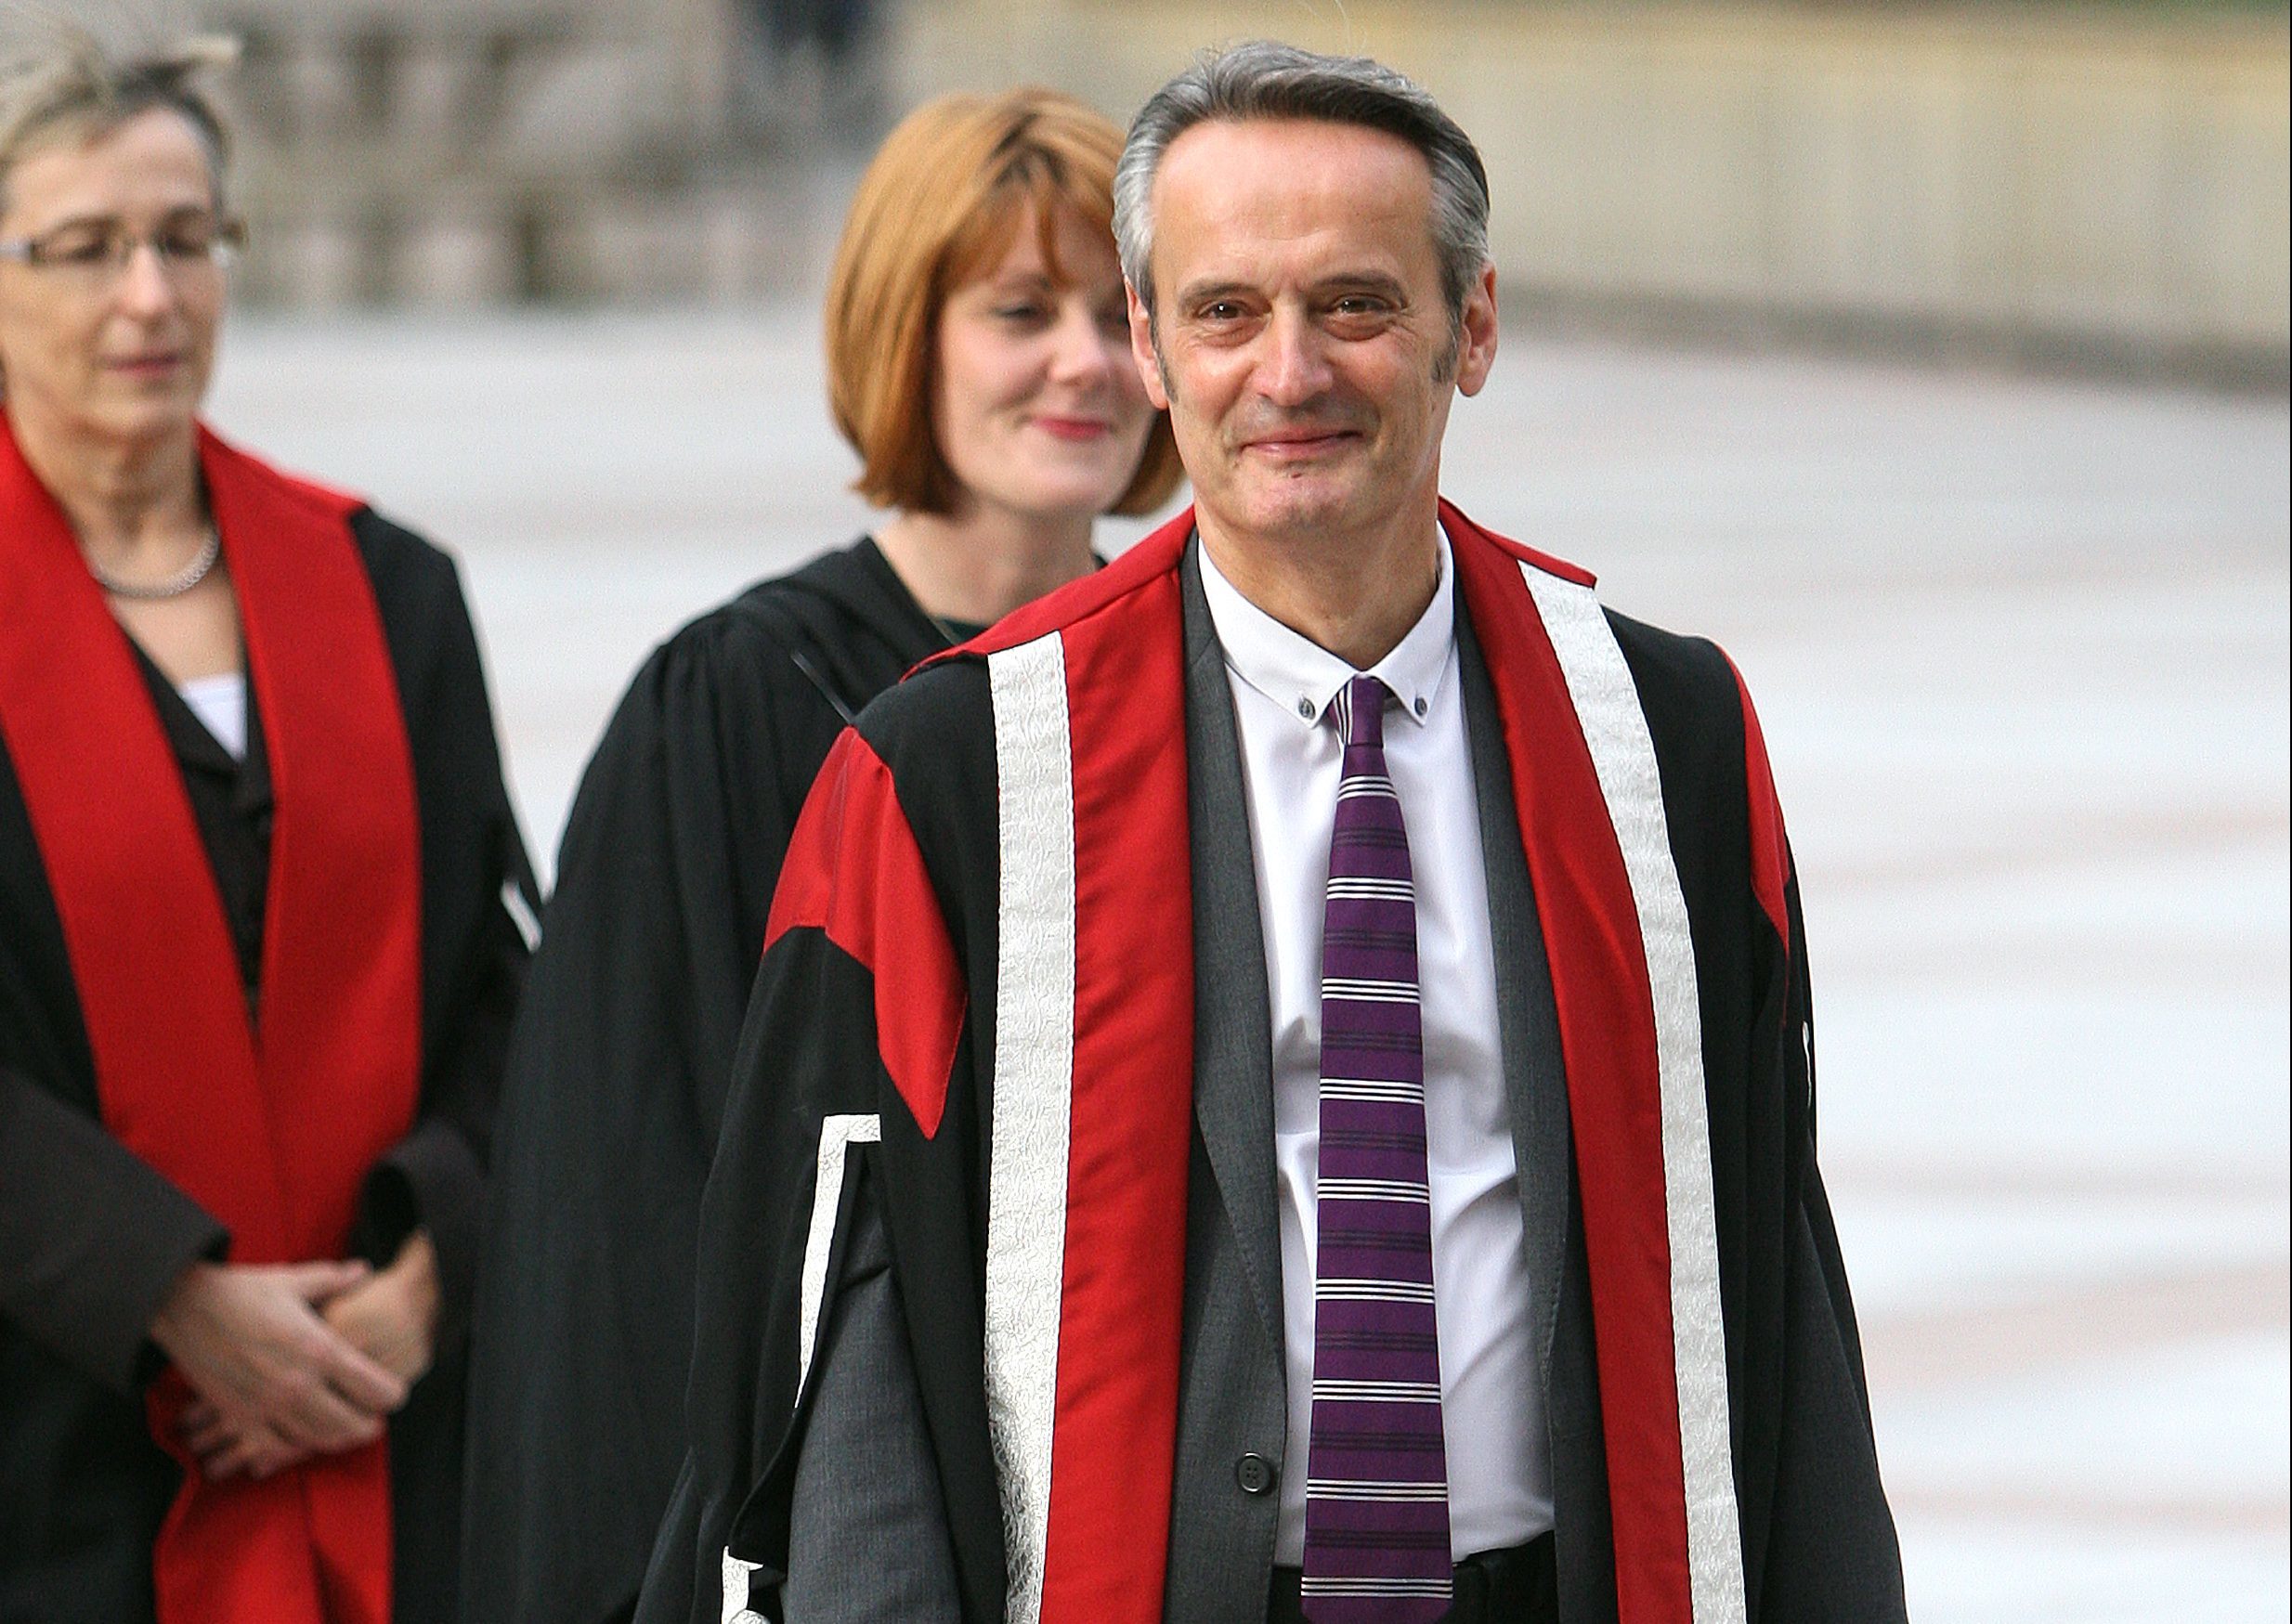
[{"x": 1300, "y": 509}]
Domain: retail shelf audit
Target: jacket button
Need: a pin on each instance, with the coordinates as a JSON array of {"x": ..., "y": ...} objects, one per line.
[{"x": 1255, "y": 1473}]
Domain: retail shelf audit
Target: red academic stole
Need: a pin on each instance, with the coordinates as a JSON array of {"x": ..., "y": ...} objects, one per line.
[
  {"x": 271, "y": 1129},
  {"x": 1092, "y": 1072}
]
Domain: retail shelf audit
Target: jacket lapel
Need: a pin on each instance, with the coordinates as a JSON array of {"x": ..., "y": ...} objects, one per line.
[
  {"x": 1233, "y": 1043},
  {"x": 1527, "y": 1029},
  {"x": 1232, "y": 1398}
]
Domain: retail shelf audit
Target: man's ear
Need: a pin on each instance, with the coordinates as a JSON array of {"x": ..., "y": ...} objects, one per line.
[
  {"x": 1142, "y": 349},
  {"x": 1475, "y": 351}
]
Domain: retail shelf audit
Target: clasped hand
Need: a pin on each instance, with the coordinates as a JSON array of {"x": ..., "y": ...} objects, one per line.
[{"x": 286, "y": 1361}]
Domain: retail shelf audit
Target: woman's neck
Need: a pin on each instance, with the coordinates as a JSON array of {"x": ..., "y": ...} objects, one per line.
[
  {"x": 125, "y": 500},
  {"x": 980, "y": 566}
]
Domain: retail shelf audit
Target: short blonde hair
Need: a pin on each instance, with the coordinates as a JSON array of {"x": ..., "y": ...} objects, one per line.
[
  {"x": 67, "y": 87},
  {"x": 941, "y": 201}
]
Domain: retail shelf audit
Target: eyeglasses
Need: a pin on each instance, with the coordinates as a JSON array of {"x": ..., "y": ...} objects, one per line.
[{"x": 95, "y": 253}]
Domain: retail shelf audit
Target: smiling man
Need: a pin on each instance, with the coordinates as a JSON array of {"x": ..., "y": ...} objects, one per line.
[{"x": 1280, "y": 1084}]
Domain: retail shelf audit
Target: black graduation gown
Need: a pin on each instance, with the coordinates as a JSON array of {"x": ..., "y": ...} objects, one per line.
[
  {"x": 91, "y": 1238},
  {"x": 619, "y": 1068}
]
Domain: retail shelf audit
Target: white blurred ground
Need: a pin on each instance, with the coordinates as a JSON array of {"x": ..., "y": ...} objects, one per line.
[{"x": 2020, "y": 648}]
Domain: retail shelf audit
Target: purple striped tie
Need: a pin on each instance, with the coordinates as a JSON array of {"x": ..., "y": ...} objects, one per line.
[{"x": 1376, "y": 1495}]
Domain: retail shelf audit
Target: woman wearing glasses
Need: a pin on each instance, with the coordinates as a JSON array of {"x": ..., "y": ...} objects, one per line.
[
  {"x": 256, "y": 966},
  {"x": 979, "y": 363}
]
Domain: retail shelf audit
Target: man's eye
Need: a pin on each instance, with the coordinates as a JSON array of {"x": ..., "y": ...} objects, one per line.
[{"x": 1221, "y": 310}]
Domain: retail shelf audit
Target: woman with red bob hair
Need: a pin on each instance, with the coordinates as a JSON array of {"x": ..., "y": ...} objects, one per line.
[{"x": 978, "y": 362}]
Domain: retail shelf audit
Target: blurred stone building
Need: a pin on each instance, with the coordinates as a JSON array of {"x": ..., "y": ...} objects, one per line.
[
  {"x": 464, "y": 152},
  {"x": 2103, "y": 181}
]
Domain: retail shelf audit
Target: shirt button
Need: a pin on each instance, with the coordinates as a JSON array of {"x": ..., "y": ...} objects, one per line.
[
  {"x": 1255, "y": 1473},
  {"x": 1305, "y": 707},
  {"x": 1421, "y": 705}
]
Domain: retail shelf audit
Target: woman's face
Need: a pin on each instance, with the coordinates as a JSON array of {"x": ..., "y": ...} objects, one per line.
[
  {"x": 1037, "y": 408},
  {"x": 94, "y": 348}
]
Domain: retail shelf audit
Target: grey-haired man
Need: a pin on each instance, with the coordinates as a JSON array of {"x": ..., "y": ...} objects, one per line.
[{"x": 1280, "y": 1084}]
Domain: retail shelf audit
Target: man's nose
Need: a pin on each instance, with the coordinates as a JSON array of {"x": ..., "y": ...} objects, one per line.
[{"x": 1292, "y": 369}]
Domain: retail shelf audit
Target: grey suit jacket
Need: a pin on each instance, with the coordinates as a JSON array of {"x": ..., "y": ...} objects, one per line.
[{"x": 1233, "y": 1387}]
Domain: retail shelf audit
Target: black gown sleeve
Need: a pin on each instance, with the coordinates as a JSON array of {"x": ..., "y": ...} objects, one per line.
[
  {"x": 1819, "y": 1541},
  {"x": 92, "y": 1237},
  {"x": 808, "y": 1057},
  {"x": 1831, "y": 1550},
  {"x": 808, "y": 1051}
]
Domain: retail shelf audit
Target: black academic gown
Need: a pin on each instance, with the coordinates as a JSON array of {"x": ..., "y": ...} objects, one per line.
[
  {"x": 91, "y": 1238},
  {"x": 619, "y": 1068},
  {"x": 879, "y": 1001}
]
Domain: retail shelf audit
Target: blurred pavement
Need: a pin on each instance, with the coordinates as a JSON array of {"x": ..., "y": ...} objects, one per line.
[{"x": 2019, "y": 649}]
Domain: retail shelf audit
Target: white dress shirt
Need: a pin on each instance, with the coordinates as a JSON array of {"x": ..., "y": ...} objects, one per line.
[{"x": 1292, "y": 760}]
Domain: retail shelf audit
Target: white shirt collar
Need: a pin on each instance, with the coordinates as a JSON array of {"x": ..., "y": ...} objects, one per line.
[{"x": 1301, "y": 677}]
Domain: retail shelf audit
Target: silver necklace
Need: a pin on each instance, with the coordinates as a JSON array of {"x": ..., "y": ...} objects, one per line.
[{"x": 175, "y": 586}]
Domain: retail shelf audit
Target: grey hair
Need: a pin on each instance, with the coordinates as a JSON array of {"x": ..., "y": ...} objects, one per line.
[
  {"x": 68, "y": 86},
  {"x": 1265, "y": 79}
]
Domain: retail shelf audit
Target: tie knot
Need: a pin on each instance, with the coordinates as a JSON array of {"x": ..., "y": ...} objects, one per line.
[{"x": 1359, "y": 710}]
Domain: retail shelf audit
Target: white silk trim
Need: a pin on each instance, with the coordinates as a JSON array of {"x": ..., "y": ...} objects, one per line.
[
  {"x": 1624, "y": 757},
  {"x": 837, "y": 1134},
  {"x": 1032, "y": 1092},
  {"x": 735, "y": 1609}
]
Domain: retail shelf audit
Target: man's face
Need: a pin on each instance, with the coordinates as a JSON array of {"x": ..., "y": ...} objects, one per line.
[{"x": 1302, "y": 342}]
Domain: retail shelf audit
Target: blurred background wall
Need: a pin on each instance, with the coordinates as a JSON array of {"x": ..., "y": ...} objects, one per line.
[{"x": 2104, "y": 184}]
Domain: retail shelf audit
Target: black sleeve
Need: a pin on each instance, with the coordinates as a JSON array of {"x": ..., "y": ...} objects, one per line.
[
  {"x": 1818, "y": 1540},
  {"x": 867, "y": 1532},
  {"x": 475, "y": 874},
  {"x": 807, "y": 1051},
  {"x": 91, "y": 1238},
  {"x": 1832, "y": 1553},
  {"x": 809, "y": 1057},
  {"x": 808, "y": 1054}
]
